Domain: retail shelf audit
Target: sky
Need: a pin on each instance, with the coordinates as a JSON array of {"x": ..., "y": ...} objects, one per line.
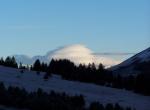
[{"x": 34, "y": 27}]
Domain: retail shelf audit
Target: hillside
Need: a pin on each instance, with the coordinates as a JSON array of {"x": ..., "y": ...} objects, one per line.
[
  {"x": 31, "y": 81},
  {"x": 131, "y": 65}
]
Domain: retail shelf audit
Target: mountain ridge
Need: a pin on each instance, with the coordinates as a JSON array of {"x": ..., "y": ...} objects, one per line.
[{"x": 128, "y": 66}]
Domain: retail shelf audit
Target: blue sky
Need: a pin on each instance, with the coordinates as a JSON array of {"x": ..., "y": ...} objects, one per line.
[{"x": 36, "y": 26}]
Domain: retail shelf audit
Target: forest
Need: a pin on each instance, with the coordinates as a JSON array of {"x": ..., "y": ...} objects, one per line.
[
  {"x": 89, "y": 73},
  {"x": 40, "y": 100}
]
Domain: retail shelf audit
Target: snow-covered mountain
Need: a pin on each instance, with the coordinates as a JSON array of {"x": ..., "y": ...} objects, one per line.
[
  {"x": 77, "y": 53},
  {"x": 128, "y": 66}
]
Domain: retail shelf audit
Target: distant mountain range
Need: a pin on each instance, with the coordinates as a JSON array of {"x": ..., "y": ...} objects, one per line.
[
  {"x": 77, "y": 53},
  {"x": 133, "y": 64}
]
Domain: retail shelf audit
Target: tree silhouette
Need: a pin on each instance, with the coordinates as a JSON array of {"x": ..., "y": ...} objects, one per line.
[{"x": 37, "y": 65}]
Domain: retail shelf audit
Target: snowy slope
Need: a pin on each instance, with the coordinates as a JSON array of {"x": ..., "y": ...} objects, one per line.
[
  {"x": 31, "y": 81},
  {"x": 128, "y": 65},
  {"x": 9, "y": 108}
]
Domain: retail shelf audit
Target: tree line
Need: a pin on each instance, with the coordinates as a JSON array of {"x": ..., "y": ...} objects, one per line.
[
  {"x": 40, "y": 100},
  {"x": 98, "y": 75},
  {"x": 90, "y": 73},
  {"x": 101, "y": 76},
  {"x": 9, "y": 62}
]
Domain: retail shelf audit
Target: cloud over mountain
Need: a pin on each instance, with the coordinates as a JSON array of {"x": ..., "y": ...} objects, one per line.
[{"x": 77, "y": 53}]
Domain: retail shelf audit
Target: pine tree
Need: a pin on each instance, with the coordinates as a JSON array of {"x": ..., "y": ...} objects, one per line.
[
  {"x": 109, "y": 107},
  {"x": 14, "y": 63},
  {"x": 96, "y": 106},
  {"x": 2, "y": 61},
  {"x": 101, "y": 67},
  {"x": 37, "y": 65},
  {"x": 8, "y": 61}
]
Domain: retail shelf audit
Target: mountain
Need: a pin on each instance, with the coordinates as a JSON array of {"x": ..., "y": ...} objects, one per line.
[
  {"x": 77, "y": 53},
  {"x": 134, "y": 65}
]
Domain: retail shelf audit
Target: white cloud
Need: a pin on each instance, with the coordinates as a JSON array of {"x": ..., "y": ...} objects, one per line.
[
  {"x": 80, "y": 54},
  {"x": 77, "y": 53}
]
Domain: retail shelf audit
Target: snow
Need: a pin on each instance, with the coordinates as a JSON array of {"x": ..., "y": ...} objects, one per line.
[
  {"x": 140, "y": 57},
  {"x": 31, "y": 82},
  {"x": 9, "y": 108}
]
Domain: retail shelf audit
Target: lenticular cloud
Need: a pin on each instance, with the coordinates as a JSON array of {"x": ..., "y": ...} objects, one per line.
[{"x": 80, "y": 54}]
